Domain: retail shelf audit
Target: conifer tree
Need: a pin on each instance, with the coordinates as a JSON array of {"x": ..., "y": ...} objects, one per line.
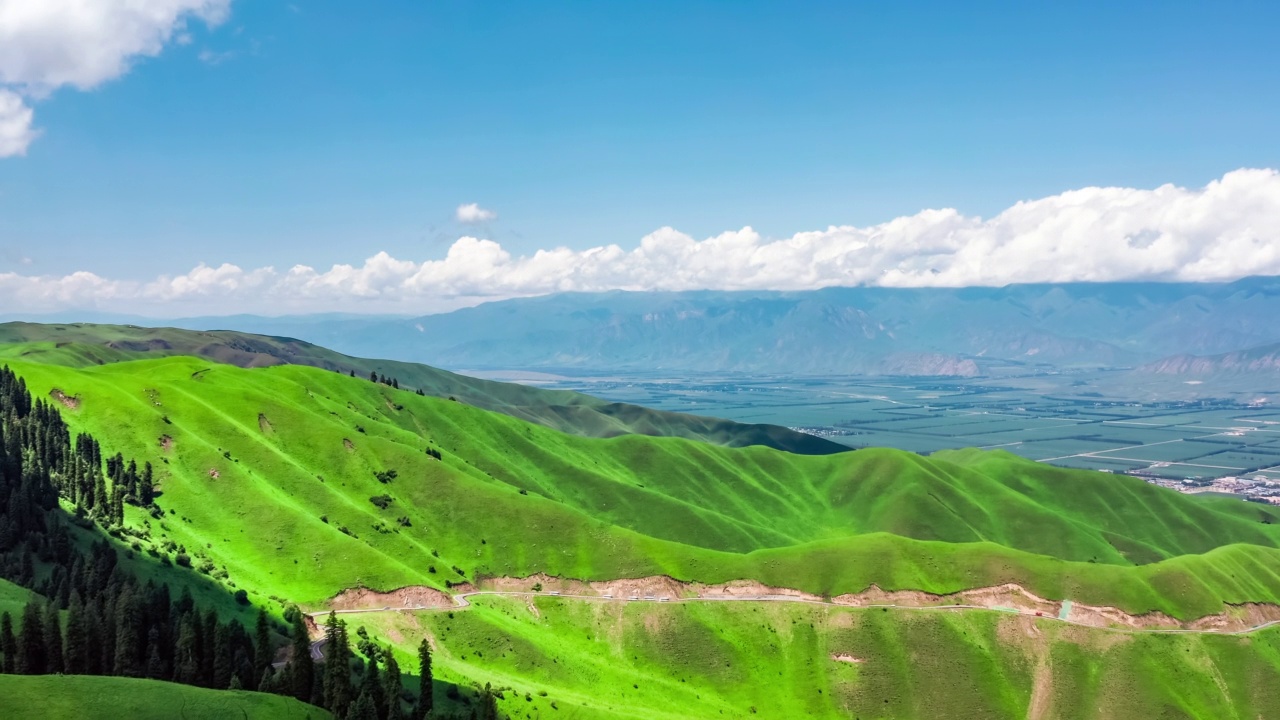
[
  {"x": 31, "y": 647},
  {"x": 363, "y": 708},
  {"x": 8, "y": 644},
  {"x": 77, "y": 658},
  {"x": 301, "y": 667},
  {"x": 372, "y": 685},
  {"x": 223, "y": 657},
  {"x": 392, "y": 686},
  {"x": 262, "y": 646},
  {"x": 337, "y": 667},
  {"x": 425, "y": 681},
  {"x": 53, "y": 640}
]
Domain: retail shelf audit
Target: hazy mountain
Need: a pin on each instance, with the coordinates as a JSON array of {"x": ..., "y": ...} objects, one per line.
[
  {"x": 899, "y": 331},
  {"x": 1264, "y": 359}
]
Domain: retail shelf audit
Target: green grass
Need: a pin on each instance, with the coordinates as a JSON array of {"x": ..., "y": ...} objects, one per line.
[
  {"x": 110, "y": 698},
  {"x": 84, "y": 345},
  {"x": 710, "y": 660},
  {"x": 295, "y": 446},
  {"x": 13, "y": 599}
]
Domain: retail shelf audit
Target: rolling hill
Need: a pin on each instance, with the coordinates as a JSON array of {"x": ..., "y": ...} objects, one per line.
[
  {"x": 275, "y": 473},
  {"x": 603, "y": 661},
  {"x": 80, "y": 345},
  {"x": 305, "y": 485}
]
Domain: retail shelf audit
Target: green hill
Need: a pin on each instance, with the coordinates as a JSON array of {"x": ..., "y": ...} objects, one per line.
[
  {"x": 85, "y": 697},
  {"x": 598, "y": 660},
  {"x": 270, "y": 474},
  {"x": 82, "y": 345},
  {"x": 296, "y": 483}
]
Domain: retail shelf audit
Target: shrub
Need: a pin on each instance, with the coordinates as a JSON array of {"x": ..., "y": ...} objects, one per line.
[
  {"x": 183, "y": 560},
  {"x": 382, "y": 501},
  {"x": 242, "y": 597}
]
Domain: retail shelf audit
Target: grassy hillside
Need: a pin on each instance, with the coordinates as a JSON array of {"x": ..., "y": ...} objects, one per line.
[
  {"x": 601, "y": 660},
  {"x": 268, "y": 474},
  {"x": 82, "y": 345},
  {"x": 84, "y": 697}
]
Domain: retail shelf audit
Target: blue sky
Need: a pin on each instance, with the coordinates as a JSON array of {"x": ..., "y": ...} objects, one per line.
[{"x": 321, "y": 133}]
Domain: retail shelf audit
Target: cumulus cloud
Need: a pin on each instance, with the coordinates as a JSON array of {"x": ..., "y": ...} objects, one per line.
[
  {"x": 1225, "y": 230},
  {"x": 473, "y": 213},
  {"x": 16, "y": 132},
  {"x": 48, "y": 44}
]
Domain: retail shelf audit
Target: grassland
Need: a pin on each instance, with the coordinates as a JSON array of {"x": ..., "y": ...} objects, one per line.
[
  {"x": 267, "y": 476},
  {"x": 13, "y": 598},
  {"x": 110, "y": 698},
  {"x": 602, "y": 660},
  {"x": 86, "y": 345}
]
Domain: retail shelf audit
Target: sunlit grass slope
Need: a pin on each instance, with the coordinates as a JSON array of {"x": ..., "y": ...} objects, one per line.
[
  {"x": 269, "y": 473},
  {"x": 780, "y": 660},
  {"x": 110, "y": 698},
  {"x": 83, "y": 344}
]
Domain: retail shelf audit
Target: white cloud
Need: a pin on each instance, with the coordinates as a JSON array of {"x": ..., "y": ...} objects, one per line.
[
  {"x": 473, "y": 213},
  {"x": 1228, "y": 229},
  {"x": 48, "y": 44},
  {"x": 16, "y": 132}
]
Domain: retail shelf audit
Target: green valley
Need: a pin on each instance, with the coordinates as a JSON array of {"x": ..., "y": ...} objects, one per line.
[{"x": 307, "y": 486}]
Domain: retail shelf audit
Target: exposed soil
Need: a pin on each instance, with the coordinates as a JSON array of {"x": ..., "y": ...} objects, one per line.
[
  {"x": 366, "y": 599},
  {"x": 68, "y": 401},
  {"x": 264, "y": 424},
  {"x": 350, "y": 446},
  {"x": 213, "y": 473},
  {"x": 846, "y": 658},
  {"x": 166, "y": 443},
  {"x": 1008, "y": 596}
]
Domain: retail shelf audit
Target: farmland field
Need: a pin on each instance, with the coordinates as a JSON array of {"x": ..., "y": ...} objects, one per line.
[{"x": 1058, "y": 419}]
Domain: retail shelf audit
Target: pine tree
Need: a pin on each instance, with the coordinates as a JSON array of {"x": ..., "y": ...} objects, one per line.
[
  {"x": 363, "y": 708},
  {"x": 146, "y": 488},
  {"x": 31, "y": 647},
  {"x": 425, "y": 682},
  {"x": 392, "y": 686},
  {"x": 262, "y": 646},
  {"x": 8, "y": 644},
  {"x": 337, "y": 667},
  {"x": 223, "y": 657},
  {"x": 372, "y": 685},
  {"x": 301, "y": 667},
  {"x": 488, "y": 709},
  {"x": 78, "y": 648},
  {"x": 53, "y": 640}
]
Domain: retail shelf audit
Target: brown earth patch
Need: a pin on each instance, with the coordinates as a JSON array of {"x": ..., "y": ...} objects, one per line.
[
  {"x": 213, "y": 473},
  {"x": 846, "y": 658},
  {"x": 70, "y": 402},
  {"x": 406, "y": 597},
  {"x": 1027, "y": 605},
  {"x": 166, "y": 443},
  {"x": 264, "y": 424},
  {"x": 350, "y": 446}
]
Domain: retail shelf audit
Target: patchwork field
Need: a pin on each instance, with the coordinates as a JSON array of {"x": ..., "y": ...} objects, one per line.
[{"x": 1071, "y": 420}]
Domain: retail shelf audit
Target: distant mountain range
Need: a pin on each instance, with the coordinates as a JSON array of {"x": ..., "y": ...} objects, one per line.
[
  {"x": 891, "y": 331},
  {"x": 1264, "y": 359}
]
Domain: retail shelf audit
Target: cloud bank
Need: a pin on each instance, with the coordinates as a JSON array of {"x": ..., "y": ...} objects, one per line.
[
  {"x": 1228, "y": 229},
  {"x": 48, "y": 44}
]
